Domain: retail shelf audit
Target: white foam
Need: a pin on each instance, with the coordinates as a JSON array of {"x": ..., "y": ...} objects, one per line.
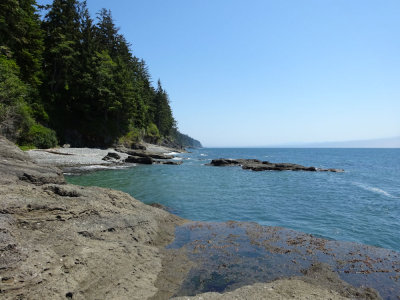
[
  {"x": 374, "y": 190},
  {"x": 102, "y": 167},
  {"x": 177, "y": 158},
  {"x": 202, "y": 154},
  {"x": 171, "y": 153},
  {"x": 95, "y": 167}
]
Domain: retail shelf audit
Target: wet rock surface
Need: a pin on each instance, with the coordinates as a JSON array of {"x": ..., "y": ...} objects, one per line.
[
  {"x": 258, "y": 165},
  {"x": 227, "y": 256}
]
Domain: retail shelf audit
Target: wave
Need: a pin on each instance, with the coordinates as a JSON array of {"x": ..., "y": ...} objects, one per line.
[
  {"x": 171, "y": 153},
  {"x": 374, "y": 190},
  {"x": 202, "y": 154}
]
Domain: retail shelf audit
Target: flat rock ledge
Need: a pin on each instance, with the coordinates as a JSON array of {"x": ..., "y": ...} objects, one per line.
[
  {"x": 258, "y": 165},
  {"x": 61, "y": 241}
]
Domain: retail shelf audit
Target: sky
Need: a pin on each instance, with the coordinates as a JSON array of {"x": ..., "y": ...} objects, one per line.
[{"x": 264, "y": 73}]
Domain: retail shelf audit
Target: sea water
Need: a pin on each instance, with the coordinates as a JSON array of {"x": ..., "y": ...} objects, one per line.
[{"x": 360, "y": 205}]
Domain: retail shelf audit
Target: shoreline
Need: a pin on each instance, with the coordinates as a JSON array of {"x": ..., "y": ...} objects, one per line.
[
  {"x": 78, "y": 160},
  {"x": 63, "y": 241},
  {"x": 63, "y": 235}
]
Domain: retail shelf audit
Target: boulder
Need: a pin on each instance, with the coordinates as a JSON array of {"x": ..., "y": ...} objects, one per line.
[
  {"x": 111, "y": 156},
  {"x": 139, "y": 160},
  {"x": 221, "y": 162}
]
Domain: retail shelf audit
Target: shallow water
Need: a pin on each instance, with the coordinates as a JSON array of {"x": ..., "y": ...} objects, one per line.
[
  {"x": 360, "y": 205},
  {"x": 229, "y": 255}
]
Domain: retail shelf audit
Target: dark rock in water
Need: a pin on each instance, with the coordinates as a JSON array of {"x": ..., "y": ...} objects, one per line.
[
  {"x": 142, "y": 153},
  {"x": 139, "y": 160},
  {"x": 224, "y": 162},
  {"x": 257, "y": 165},
  {"x": 168, "y": 162},
  {"x": 331, "y": 170},
  {"x": 159, "y": 156},
  {"x": 111, "y": 156}
]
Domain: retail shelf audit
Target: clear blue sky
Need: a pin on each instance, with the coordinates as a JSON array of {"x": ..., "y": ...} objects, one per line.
[{"x": 259, "y": 72}]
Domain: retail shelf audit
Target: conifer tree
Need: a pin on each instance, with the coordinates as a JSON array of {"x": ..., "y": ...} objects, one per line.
[
  {"x": 21, "y": 37},
  {"x": 163, "y": 114},
  {"x": 61, "y": 64}
]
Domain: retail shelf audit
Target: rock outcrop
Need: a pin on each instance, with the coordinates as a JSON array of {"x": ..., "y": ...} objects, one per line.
[
  {"x": 147, "y": 157},
  {"x": 146, "y": 160},
  {"x": 144, "y": 153},
  {"x": 112, "y": 156},
  {"x": 258, "y": 165},
  {"x": 61, "y": 241}
]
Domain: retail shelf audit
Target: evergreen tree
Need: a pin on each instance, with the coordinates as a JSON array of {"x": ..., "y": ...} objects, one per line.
[
  {"x": 22, "y": 38},
  {"x": 163, "y": 114},
  {"x": 94, "y": 89}
]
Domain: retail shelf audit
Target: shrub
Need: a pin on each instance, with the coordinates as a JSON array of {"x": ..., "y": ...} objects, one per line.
[
  {"x": 152, "y": 130},
  {"x": 132, "y": 137},
  {"x": 39, "y": 136},
  {"x": 152, "y": 134}
]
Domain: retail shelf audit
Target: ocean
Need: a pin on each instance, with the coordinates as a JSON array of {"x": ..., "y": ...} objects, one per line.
[{"x": 360, "y": 205}]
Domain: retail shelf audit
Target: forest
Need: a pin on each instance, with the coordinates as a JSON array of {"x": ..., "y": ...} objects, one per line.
[{"x": 68, "y": 78}]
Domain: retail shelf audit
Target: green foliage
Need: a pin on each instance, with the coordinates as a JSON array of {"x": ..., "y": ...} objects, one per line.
[
  {"x": 152, "y": 130},
  {"x": 39, "y": 136},
  {"x": 16, "y": 121},
  {"x": 27, "y": 147},
  {"x": 132, "y": 137},
  {"x": 77, "y": 76},
  {"x": 20, "y": 32},
  {"x": 38, "y": 112},
  {"x": 162, "y": 111},
  {"x": 14, "y": 112}
]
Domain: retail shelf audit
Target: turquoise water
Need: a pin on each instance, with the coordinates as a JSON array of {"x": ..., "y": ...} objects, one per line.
[{"x": 360, "y": 205}]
